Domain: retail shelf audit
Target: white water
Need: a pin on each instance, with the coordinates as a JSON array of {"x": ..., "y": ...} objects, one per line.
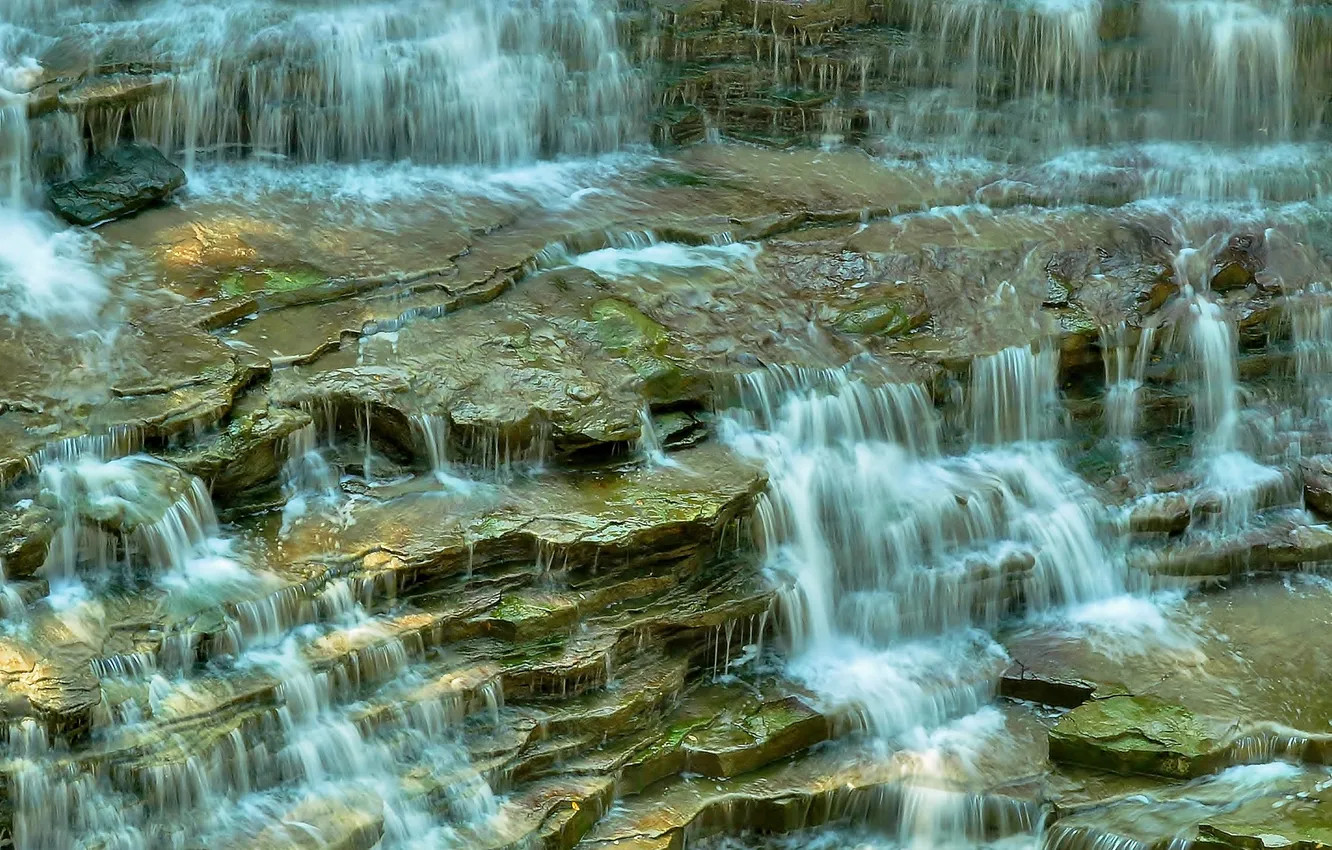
[
  {"x": 427, "y": 80},
  {"x": 642, "y": 255},
  {"x": 893, "y": 555},
  {"x": 132, "y": 517}
]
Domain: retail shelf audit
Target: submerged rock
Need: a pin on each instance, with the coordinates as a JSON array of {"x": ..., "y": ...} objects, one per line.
[{"x": 118, "y": 183}]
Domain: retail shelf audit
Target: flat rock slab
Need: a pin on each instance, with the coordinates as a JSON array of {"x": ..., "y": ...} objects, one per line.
[
  {"x": 1140, "y": 734},
  {"x": 1223, "y": 656},
  {"x": 118, "y": 183}
]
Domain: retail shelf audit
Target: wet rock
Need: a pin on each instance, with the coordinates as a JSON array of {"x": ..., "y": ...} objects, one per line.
[
  {"x": 25, "y": 535},
  {"x": 351, "y": 822},
  {"x": 1135, "y": 734},
  {"x": 111, "y": 91},
  {"x": 772, "y": 730},
  {"x": 121, "y": 182},
  {"x": 1021, "y": 683},
  {"x": 1318, "y": 484},
  {"x": 625, "y": 330},
  {"x": 1168, "y": 514},
  {"x": 1238, "y": 264},
  {"x": 246, "y": 454},
  {"x": 817, "y": 789},
  {"x": 55, "y": 685},
  {"x": 1300, "y": 821}
]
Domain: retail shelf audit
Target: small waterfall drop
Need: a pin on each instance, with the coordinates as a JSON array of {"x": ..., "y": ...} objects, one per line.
[
  {"x": 649, "y": 441},
  {"x": 892, "y": 552},
  {"x": 1125, "y": 375},
  {"x": 309, "y": 481}
]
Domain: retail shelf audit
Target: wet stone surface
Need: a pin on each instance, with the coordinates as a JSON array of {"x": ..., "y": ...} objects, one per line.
[{"x": 926, "y": 445}]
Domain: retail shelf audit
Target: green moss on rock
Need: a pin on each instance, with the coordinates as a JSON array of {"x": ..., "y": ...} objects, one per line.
[
  {"x": 875, "y": 316},
  {"x": 1135, "y": 734}
]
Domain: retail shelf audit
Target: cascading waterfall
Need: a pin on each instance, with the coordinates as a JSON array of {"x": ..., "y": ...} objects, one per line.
[
  {"x": 138, "y": 512},
  {"x": 884, "y": 541},
  {"x": 425, "y": 80},
  {"x": 895, "y": 556}
]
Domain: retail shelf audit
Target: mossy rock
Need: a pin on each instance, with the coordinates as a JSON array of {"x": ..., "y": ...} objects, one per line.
[
  {"x": 772, "y": 731},
  {"x": 1136, "y": 734},
  {"x": 247, "y": 282},
  {"x": 623, "y": 328},
  {"x": 887, "y": 316}
]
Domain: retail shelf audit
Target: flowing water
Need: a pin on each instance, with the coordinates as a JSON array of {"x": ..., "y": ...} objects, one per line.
[{"x": 437, "y": 467}]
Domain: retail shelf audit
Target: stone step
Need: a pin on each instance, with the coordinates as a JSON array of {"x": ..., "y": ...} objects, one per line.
[{"x": 814, "y": 790}]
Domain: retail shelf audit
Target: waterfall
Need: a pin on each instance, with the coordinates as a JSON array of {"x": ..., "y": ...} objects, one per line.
[
  {"x": 1125, "y": 373},
  {"x": 1013, "y": 395},
  {"x": 649, "y": 441},
  {"x": 425, "y": 80},
  {"x": 884, "y": 545}
]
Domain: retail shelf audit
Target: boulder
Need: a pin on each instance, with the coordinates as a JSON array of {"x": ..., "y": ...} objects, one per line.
[{"x": 118, "y": 183}]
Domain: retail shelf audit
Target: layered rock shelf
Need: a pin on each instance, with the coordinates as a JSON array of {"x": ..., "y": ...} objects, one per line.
[{"x": 663, "y": 424}]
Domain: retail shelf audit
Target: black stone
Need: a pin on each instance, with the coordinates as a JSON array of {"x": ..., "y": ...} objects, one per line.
[{"x": 118, "y": 183}]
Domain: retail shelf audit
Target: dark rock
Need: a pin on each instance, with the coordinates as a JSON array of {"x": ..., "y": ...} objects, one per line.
[
  {"x": 118, "y": 183},
  {"x": 1018, "y": 682}
]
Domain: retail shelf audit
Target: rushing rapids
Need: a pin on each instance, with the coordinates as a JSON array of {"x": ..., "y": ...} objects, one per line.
[{"x": 664, "y": 423}]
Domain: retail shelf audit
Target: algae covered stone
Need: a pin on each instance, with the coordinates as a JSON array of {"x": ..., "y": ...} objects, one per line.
[
  {"x": 874, "y": 316},
  {"x": 1135, "y": 734}
]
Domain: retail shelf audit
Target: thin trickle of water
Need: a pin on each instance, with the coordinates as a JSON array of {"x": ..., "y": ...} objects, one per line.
[
  {"x": 12, "y": 609},
  {"x": 1216, "y": 386},
  {"x": 1311, "y": 332},
  {"x": 649, "y": 441},
  {"x": 1125, "y": 372}
]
